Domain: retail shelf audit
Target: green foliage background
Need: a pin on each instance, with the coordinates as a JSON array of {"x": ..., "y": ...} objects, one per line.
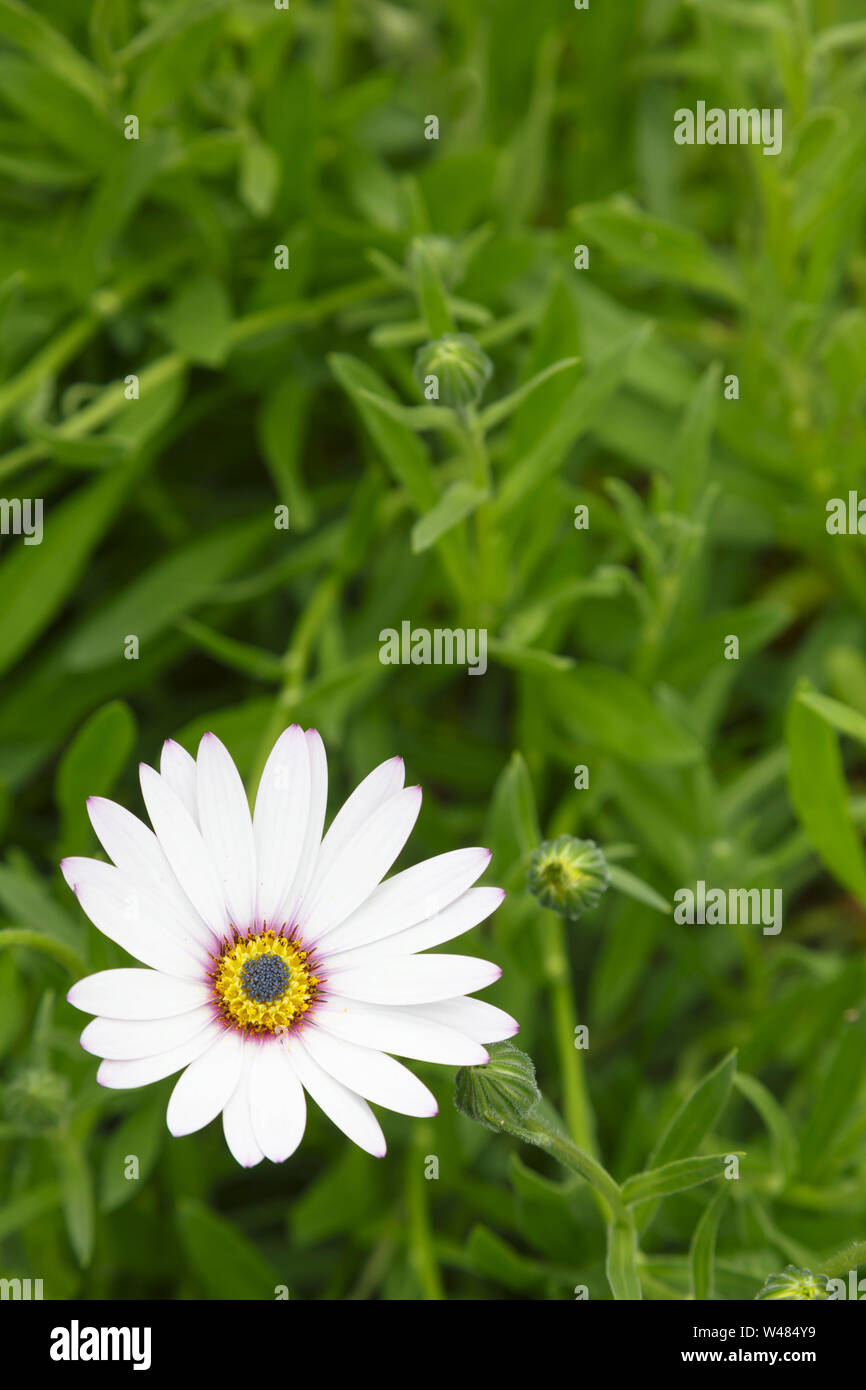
[{"x": 261, "y": 387}]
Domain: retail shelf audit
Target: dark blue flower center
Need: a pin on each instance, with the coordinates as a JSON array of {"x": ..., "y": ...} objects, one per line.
[{"x": 265, "y": 978}]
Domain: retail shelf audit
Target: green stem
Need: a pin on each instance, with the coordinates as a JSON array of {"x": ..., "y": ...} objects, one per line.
[
  {"x": 421, "y": 1248},
  {"x": 296, "y": 661},
  {"x": 577, "y": 1160},
  {"x": 575, "y": 1095}
]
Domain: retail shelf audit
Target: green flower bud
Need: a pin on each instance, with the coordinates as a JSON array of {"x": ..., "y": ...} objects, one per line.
[
  {"x": 503, "y": 1093},
  {"x": 460, "y": 366},
  {"x": 796, "y": 1284},
  {"x": 568, "y": 875},
  {"x": 36, "y": 1100}
]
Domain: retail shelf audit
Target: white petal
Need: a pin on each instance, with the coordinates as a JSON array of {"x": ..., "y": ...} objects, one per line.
[
  {"x": 134, "y": 918},
  {"x": 178, "y": 769},
  {"x": 206, "y": 1085},
  {"x": 410, "y": 897},
  {"x": 185, "y": 850},
  {"x": 280, "y": 824},
  {"x": 227, "y": 829},
  {"x": 452, "y": 921},
  {"x": 125, "y": 1039},
  {"x": 370, "y": 1074},
  {"x": 315, "y": 823},
  {"x": 474, "y": 1017},
  {"x": 277, "y": 1105},
  {"x": 383, "y": 782},
  {"x": 237, "y": 1119},
  {"x": 361, "y": 864},
  {"x": 134, "y": 848},
  {"x": 347, "y": 1110},
  {"x": 398, "y": 1030},
  {"x": 123, "y": 1076},
  {"x": 135, "y": 994},
  {"x": 414, "y": 979}
]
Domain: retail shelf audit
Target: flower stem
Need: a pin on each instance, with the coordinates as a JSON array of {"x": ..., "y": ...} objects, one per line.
[
  {"x": 421, "y": 1250},
  {"x": 575, "y": 1096}
]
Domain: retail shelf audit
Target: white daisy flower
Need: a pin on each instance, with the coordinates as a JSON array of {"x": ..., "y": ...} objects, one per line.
[{"x": 277, "y": 960}]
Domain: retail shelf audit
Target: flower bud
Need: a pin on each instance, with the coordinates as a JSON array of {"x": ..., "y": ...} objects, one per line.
[
  {"x": 503, "y": 1093},
  {"x": 568, "y": 875},
  {"x": 36, "y": 1100},
  {"x": 796, "y": 1284},
  {"x": 459, "y": 365}
]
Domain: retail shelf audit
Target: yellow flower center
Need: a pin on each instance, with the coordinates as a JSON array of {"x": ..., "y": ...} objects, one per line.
[{"x": 263, "y": 983}]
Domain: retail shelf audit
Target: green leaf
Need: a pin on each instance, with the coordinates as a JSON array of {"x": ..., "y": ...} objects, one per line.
[
  {"x": 786, "y": 1149},
  {"x": 665, "y": 251},
  {"x": 431, "y": 296},
  {"x": 27, "y": 1207},
  {"x": 226, "y": 1264},
  {"x": 47, "y": 945},
  {"x": 76, "y": 1189},
  {"x": 30, "y": 31},
  {"x": 673, "y": 1177},
  {"x": 170, "y": 588},
  {"x": 238, "y": 656},
  {"x": 691, "y": 454},
  {"x": 841, "y": 716},
  {"x": 697, "y": 1114},
  {"x": 90, "y": 767},
  {"x": 699, "y": 649},
  {"x": 494, "y": 1258},
  {"x": 456, "y": 503},
  {"x": 816, "y": 781},
  {"x": 139, "y": 1136},
  {"x": 25, "y": 899},
  {"x": 198, "y": 321},
  {"x": 577, "y": 414},
  {"x": 635, "y": 887},
  {"x": 36, "y": 581},
  {"x": 403, "y": 452},
  {"x": 611, "y": 709},
  {"x": 501, "y": 409},
  {"x": 259, "y": 177},
  {"x": 532, "y": 660},
  {"x": 836, "y": 1101},
  {"x": 702, "y": 1255}
]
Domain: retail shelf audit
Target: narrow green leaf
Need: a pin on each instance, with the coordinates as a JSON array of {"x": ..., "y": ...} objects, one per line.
[
  {"x": 90, "y": 767},
  {"x": 500, "y": 410},
  {"x": 697, "y": 1114},
  {"x": 635, "y": 887},
  {"x": 702, "y": 1255},
  {"x": 226, "y": 1264},
  {"x": 816, "y": 781},
  {"x": 664, "y": 250},
  {"x": 613, "y": 710},
  {"x": 170, "y": 588},
  {"x": 456, "y": 503},
  {"x": 578, "y": 413},
  {"x": 36, "y": 581},
  {"x": 76, "y": 1189},
  {"x": 673, "y": 1177}
]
